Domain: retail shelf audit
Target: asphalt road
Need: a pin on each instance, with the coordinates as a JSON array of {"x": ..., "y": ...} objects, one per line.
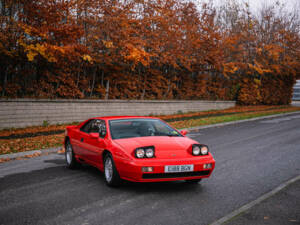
[
  {"x": 252, "y": 158},
  {"x": 283, "y": 208}
]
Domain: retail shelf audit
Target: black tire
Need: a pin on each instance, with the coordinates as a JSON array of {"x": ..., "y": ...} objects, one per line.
[
  {"x": 71, "y": 161},
  {"x": 111, "y": 175},
  {"x": 194, "y": 181}
]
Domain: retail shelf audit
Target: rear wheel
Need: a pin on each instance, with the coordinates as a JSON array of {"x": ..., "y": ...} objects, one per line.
[
  {"x": 72, "y": 163},
  {"x": 111, "y": 174},
  {"x": 194, "y": 181}
]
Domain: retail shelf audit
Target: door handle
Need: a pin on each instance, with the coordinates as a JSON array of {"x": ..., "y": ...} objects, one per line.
[{"x": 81, "y": 139}]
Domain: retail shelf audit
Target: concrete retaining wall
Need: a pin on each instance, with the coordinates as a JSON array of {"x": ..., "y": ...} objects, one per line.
[{"x": 29, "y": 112}]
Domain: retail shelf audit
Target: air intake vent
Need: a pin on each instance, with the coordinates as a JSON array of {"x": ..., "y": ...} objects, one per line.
[{"x": 175, "y": 175}]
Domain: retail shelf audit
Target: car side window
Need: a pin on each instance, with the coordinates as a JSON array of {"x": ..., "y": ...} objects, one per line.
[
  {"x": 86, "y": 127},
  {"x": 95, "y": 126}
]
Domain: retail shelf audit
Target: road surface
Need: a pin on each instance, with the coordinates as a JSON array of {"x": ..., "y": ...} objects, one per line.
[{"x": 252, "y": 158}]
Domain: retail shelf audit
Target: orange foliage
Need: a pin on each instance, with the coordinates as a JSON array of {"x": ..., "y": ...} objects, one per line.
[
  {"x": 250, "y": 92},
  {"x": 167, "y": 49}
]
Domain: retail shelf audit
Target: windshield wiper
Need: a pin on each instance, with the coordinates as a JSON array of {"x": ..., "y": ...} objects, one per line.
[
  {"x": 167, "y": 134},
  {"x": 170, "y": 135}
]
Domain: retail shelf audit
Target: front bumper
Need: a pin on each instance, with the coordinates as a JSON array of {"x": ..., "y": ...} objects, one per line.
[{"x": 132, "y": 170}]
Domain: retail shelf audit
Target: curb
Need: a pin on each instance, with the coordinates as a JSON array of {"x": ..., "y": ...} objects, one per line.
[
  {"x": 29, "y": 153},
  {"x": 198, "y": 128},
  {"x": 255, "y": 202}
]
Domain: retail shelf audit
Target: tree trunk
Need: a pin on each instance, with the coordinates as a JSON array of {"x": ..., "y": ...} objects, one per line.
[
  {"x": 102, "y": 78},
  {"x": 78, "y": 74},
  {"x": 93, "y": 83},
  {"x": 144, "y": 85},
  {"x": 169, "y": 87},
  {"x": 107, "y": 90},
  {"x": 4, "y": 83},
  {"x": 143, "y": 93}
]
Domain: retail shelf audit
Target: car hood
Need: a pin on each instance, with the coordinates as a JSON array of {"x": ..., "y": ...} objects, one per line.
[{"x": 164, "y": 145}]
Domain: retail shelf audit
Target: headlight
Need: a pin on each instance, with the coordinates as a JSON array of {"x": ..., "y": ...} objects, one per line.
[
  {"x": 199, "y": 149},
  {"x": 149, "y": 152},
  {"x": 204, "y": 150},
  {"x": 196, "y": 150},
  {"x": 144, "y": 152},
  {"x": 140, "y": 153}
]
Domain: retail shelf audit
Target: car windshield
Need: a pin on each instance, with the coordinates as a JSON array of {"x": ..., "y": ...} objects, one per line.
[{"x": 130, "y": 128}]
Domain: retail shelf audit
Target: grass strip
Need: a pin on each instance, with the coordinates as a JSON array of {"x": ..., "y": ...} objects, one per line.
[
  {"x": 35, "y": 134},
  {"x": 216, "y": 113},
  {"x": 233, "y": 110},
  {"x": 223, "y": 119}
]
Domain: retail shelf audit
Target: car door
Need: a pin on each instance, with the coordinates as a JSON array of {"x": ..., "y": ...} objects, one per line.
[
  {"x": 93, "y": 145},
  {"x": 81, "y": 137}
]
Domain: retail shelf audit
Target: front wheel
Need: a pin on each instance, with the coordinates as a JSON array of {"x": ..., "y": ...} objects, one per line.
[
  {"x": 72, "y": 163},
  {"x": 111, "y": 174}
]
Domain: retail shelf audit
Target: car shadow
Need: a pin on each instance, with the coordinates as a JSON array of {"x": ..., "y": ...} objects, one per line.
[
  {"x": 161, "y": 187},
  {"x": 135, "y": 186}
]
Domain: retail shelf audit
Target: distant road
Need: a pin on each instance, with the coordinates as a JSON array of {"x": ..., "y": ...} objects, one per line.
[{"x": 252, "y": 158}]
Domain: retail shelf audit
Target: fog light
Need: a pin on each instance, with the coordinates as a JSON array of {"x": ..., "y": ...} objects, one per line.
[
  {"x": 147, "y": 169},
  {"x": 207, "y": 166}
]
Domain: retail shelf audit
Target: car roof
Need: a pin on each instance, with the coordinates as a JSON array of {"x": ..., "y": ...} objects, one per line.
[{"x": 124, "y": 117}]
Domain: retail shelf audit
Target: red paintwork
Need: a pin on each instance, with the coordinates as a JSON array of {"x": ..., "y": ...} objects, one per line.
[{"x": 168, "y": 151}]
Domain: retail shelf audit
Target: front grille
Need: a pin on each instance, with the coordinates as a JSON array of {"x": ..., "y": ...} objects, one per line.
[{"x": 174, "y": 175}]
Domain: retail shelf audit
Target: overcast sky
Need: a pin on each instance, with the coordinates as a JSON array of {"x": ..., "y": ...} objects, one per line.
[{"x": 257, "y": 4}]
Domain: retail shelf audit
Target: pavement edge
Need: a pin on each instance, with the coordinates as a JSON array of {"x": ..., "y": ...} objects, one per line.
[
  {"x": 29, "y": 153},
  {"x": 255, "y": 202}
]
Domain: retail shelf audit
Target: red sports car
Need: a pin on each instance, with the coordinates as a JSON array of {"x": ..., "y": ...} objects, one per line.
[{"x": 140, "y": 149}]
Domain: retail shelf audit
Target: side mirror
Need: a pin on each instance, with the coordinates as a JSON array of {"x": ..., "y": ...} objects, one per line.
[
  {"x": 102, "y": 133},
  {"x": 94, "y": 135},
  {"x": 184, "y": 132}
]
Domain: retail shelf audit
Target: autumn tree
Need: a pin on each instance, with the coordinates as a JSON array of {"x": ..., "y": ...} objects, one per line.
[{"x": 148, "y": 49}]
